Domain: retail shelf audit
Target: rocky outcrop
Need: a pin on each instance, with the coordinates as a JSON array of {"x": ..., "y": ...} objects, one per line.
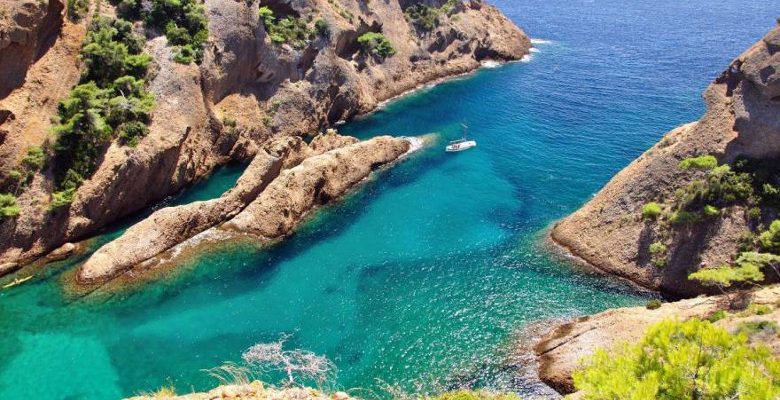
[
  {"x": 267, "y": 90},
  {"x": 314, "y": 182},
  {"x": 27, "y": 28},
  {"x": 170, "y": 226},
  {"x": 742, "y": 119},
  {"x": 559, "y": 353},
  {"x": 266, "y": 202},
  {"x": 251, "y": 391}
]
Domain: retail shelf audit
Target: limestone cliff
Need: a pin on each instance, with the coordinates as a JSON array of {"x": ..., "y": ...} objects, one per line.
[
  {"x": 247, "y": 90},
  {"x": 742, "y": 121}
]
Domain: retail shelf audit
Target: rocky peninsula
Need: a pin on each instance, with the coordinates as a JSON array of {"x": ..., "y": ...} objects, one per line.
[
  {"x": 742, "y": 122},
  {"x": 699, "y": 200}
]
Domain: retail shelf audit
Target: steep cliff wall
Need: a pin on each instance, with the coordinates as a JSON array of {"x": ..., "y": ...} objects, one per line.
[
  {"x": 742, "y": 121},
  {"x": 249, "y": 88}
]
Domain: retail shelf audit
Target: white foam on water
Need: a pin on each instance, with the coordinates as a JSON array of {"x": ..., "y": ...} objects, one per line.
[
  {"x": 527, "y": 58},
  {"x": 540, "y": 41},
  {"x": 534, "y": 50},
  {"x": 415, "y": 143},
  {"x": 490, "y": 64}
]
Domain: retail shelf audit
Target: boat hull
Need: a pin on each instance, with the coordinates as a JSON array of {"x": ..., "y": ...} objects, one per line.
[{"x": 454, "y": 148}]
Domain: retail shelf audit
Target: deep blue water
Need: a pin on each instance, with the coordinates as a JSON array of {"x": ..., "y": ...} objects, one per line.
[{"x": 423, "y": 276}]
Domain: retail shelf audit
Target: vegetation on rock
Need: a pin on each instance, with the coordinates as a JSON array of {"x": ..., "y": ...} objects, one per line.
[
  {"x": 111, "y": 99},
  {"x": 77, "y": 9},
  {"x": 8, "y": 207},
  {"x": 701, "y": 162},
  {"x": 293, "y": 31},
  {"x": 183, "y": 22},
  {"x": 748, "y": 268},
  {"x": 425, "y": 18},
  {"x": 770, "y": 239},
  {"x": 376, "y": 44},
  {"x": 651, "y": 210},
  {"x": 682, "y": 360}
]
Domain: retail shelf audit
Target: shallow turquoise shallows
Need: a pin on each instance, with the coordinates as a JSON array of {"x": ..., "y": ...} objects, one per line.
[{"x": 424, "y": 276}]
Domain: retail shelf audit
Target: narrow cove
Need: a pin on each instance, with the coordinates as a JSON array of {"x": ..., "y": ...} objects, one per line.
[{"x": 423, "y": 275}]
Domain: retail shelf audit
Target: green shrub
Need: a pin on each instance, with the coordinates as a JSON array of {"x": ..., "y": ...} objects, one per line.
[
  {"x": 722, "y": 187},
  {"x": 130, "y": 133},
  {"x": 683, "y": 217},
  {"x": 756, "y": 309},
  {"x": 34, "y": 158},
  {"x": 184, "y": 22},
  {"x": 322, "y": 28},
  {"x": 748, "y": 268},
  {"x": 183, "y": 54},
  {"x": 464, "y": 394},
  {"x": 769, "y": 240},
  {"x": 423, "y": 17},
  {"x": 754, "y": 213},
  {"x": 376, "y": 44},
  {"x": 750, "y": 328},
  {"x": 711, "y": 211},
  {"x": 16, "y": 175},
  {"x": 290, "y": 30},
  {"x": 651, "y": 210},
  {"x": 682, "y": 360},
  {"x": 77, "y": 9},
  {"x": 701, "y": 162},
  {"x": 717, "y": 316},
  {"x": 62, "y": 198},
  {"x": 657, "y": 248},
  {"x": 653, "y": 304},
  {"x": 8, "y": 207},
  {"x": 111, "y": 98}
]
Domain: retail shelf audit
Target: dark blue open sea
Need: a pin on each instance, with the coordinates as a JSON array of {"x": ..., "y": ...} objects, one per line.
[{"x": 422, "y": 277}]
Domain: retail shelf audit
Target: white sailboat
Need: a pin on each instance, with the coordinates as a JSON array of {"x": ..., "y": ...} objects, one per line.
[{"x": 460, "y": 144}]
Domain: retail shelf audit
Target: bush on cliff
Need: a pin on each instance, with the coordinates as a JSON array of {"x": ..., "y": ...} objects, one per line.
[
  {"x": 376, "y": 44},
  {"x": 184, "y": 22},
  {"x": 651, "y": 210},
  {"x": 770, "y": 239},
  {"x": 112, "y": 98},
  {"x": 682, "y": 360},
  {"x": 77, "y": 9},
  {"x": 748, "y": 268},
  {"x": 701, "y": 162},
  {"x": 290, "y": 30},
  {"x": 8, "y": 207}
]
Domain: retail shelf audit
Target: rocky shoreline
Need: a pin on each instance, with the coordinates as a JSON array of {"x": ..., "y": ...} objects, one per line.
[
  {"x": 277, "y": 192},
  {"x": 610, "y": 235},
  {"x": 248, "y": 91}
]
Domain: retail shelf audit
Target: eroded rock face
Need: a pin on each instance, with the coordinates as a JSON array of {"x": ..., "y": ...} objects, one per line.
[
  {"x": 27, "y": 27},
  {"x": 269, "y": 90},
  {"x": 742, "y": 119},
  {"x": 268, "y": 200},
  {"x": 170, "y": 226},
  {"x": 560, "y": 352}
]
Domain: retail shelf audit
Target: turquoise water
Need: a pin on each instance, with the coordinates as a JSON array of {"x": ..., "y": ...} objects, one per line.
[{"x": 423, "y": 276}]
